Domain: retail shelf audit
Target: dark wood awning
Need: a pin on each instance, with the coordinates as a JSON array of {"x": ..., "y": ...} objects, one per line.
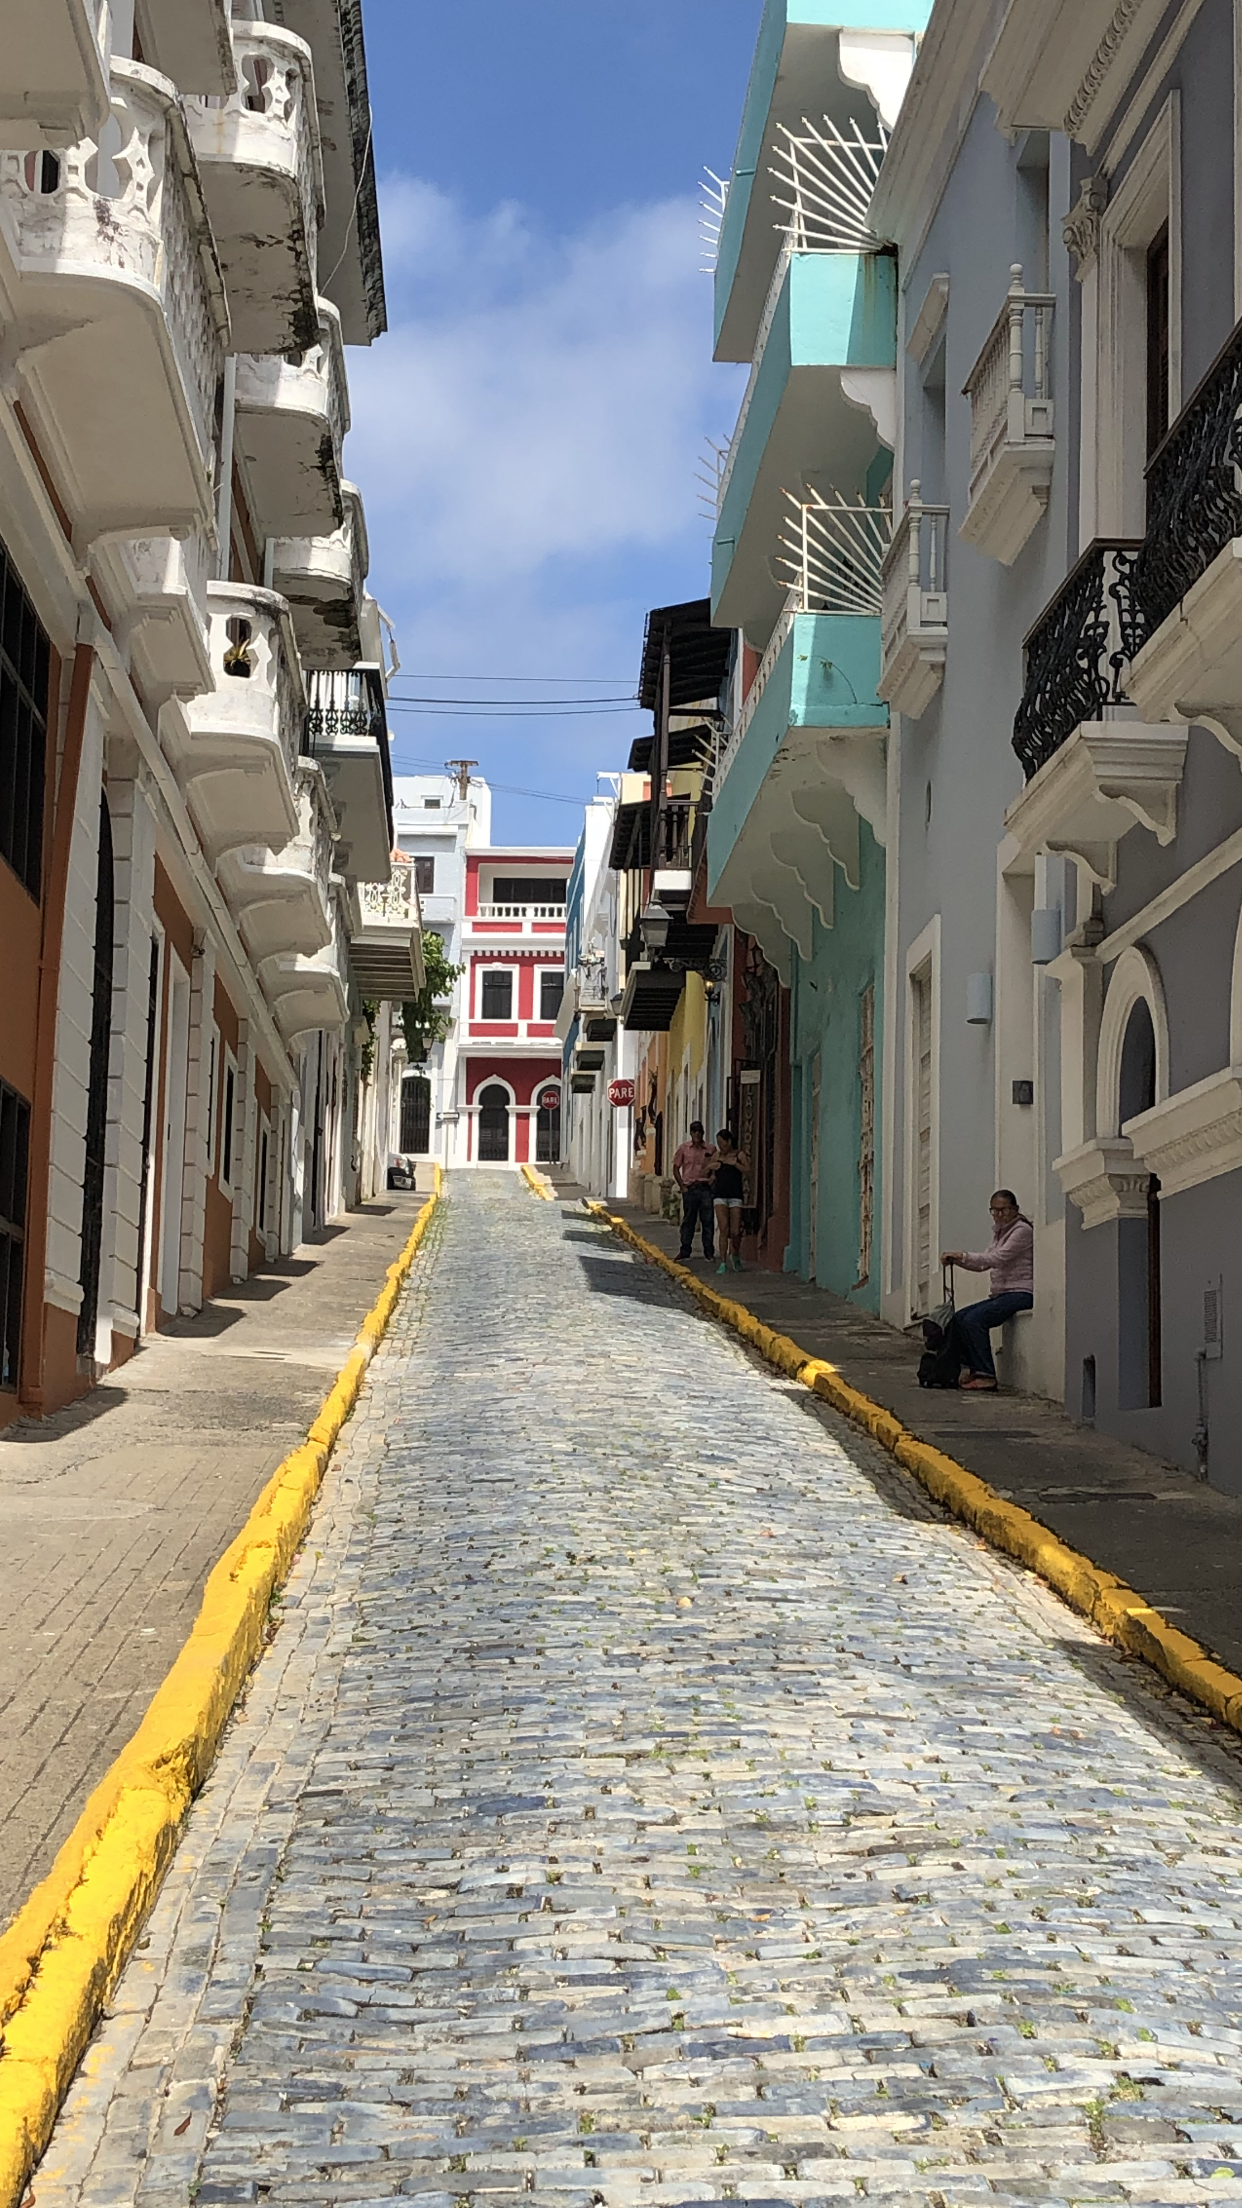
[
  {"x": 652, "y": 995},
  {"x": 699, "y": 654}
]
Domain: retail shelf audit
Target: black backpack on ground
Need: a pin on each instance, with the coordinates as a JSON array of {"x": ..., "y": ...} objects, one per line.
[{"x": 940, "y": 1364}]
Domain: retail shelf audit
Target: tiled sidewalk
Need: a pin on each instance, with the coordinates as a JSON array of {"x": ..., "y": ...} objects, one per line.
[{"x": 113, "y": 1512}]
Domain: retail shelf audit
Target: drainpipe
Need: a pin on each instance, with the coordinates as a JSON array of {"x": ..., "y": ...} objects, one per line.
[{"x": 1200, "y": 1435}]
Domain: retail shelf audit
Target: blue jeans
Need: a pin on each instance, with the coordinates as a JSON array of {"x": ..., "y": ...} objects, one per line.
[
  {"x": 696, "y": 1210},
  {"x": 972, "y": 1328}
]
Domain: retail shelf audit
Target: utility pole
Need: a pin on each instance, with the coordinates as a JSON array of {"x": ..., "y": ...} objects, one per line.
[{"x": 460, "y": 771}]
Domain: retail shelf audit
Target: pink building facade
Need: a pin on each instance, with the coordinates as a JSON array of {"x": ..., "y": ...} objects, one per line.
[{"x": 513, "y": 952}]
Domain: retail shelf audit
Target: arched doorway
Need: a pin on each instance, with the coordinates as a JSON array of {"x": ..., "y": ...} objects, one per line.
[
  {"x": 493, "y": 1125},
  {"x": 548, "y": 1126},
  {"x": 97, "y": 1090},
  {"x": 415, "y": 1115}
]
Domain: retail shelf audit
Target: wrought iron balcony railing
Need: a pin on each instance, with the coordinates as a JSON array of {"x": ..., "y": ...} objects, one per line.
[
  {"x": 1194, "y": 488},
  {"x": 1079, "y": 651}
]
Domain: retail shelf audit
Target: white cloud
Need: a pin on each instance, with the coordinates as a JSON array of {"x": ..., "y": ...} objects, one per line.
[
  {"x": 526, "y": 438},
  {"x": 549, "y": 402}
]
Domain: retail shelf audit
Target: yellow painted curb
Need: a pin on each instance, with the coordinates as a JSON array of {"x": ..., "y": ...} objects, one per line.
[
  {"x": 63, "y": 1953},
  {"x": 539, "y": 1183},
  {"x": 1113, "y": 1608}
]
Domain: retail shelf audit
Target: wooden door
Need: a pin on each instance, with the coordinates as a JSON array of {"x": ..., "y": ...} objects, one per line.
[{"x": 920, "y": 1286}]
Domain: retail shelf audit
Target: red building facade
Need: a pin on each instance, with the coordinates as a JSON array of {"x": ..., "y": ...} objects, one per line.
[{"x": 513, "y": 949}]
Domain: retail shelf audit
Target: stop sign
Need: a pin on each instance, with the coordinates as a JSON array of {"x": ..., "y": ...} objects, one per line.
[{"x": 620, "y": 1093}]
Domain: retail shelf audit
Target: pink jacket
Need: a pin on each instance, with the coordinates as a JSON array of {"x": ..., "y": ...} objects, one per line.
[{"x": 1010, "y": 1260}]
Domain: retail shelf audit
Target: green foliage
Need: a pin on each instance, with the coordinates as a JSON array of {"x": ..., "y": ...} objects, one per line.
[{"x": 425, "y": 1018}]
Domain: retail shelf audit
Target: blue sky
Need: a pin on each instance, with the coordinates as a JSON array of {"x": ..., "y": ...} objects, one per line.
[{"x": 527, "y": 434}]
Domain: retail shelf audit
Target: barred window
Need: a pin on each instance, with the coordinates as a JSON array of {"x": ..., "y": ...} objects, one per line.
[
  {"x": 24, "y": 660},
  {"x": 14, "y": 1152}
]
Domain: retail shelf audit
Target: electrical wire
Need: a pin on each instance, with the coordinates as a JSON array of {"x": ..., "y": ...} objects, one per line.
[
  {"x": 513, "y": 705},
  {"x": 523, "y": 712},
  {"x": 412, "y": 677},
  {"x": 503, "y": 789}
]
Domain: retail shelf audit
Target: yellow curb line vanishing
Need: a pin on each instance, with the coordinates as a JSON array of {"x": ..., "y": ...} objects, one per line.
[
  {"x": 62, "y": 1955},
  {"x": 539, "y": 1183},
  {"x": 1113, "y": 1608}
]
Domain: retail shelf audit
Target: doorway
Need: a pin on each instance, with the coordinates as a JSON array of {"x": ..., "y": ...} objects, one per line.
[
  {"x": 494, "y": 1125},
  {"x": 921, "y": 1144},
  {"x": 415, "y": 1115}
]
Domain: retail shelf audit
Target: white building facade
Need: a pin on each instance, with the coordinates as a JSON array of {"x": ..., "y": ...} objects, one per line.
[{"x": 196, "y": 888}]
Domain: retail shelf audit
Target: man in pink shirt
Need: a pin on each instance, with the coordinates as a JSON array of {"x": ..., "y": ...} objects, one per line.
[
  {"x": 691, "y": 1167},
  {"x": 1010, "y": 1259}
]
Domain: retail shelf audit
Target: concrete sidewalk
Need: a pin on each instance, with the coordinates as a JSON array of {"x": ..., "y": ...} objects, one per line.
[
  {"x": 1176, "y": 1540},
  {"x": 113, "y": 1512}
]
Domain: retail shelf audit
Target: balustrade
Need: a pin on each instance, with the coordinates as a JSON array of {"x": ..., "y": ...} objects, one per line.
[
  {"x": 914, "y": 617},
  {"x": 1011, "y": 423}
]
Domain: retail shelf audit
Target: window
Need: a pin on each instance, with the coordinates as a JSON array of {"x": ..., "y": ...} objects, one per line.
[
  {"x": 551, "y": 990},
  {"x": 432, "y": 804},
  {"x": 519, "y": 889},
  {"x": 213, "y": 1098},
  {"x": 1157, "y": 338},
  {"x": 14, "y": 1151},
  {"x": 498, "y": 994},
  {"x": 424, "y": 876},
  {"x": 24, "y": 663},
  {"x": 226, "y": 1130}
]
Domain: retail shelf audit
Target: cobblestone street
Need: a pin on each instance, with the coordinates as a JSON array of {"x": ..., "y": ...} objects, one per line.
[{"x": 647, "y": 1797}]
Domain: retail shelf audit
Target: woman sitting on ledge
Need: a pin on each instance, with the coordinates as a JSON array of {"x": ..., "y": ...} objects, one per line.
[{"x": 1010, "y": 1259}]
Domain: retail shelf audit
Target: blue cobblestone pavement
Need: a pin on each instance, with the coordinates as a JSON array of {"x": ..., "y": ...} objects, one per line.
[{"x": 647, "y": 1797}]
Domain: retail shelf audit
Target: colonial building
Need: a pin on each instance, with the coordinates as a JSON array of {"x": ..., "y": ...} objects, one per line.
[
  {"x": 795, "y": 845},
  {"x": 509, "y": 1058},
  {"x": 200, "y": 916}
]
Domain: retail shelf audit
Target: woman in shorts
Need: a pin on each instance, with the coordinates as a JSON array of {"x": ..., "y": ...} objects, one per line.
[{"x": 729, "y": 1165}]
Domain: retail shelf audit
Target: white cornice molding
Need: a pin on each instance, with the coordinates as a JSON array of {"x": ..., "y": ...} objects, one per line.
[
  {"x": 1194, "y": 1135},
  {"x": 935, "y": 112}
]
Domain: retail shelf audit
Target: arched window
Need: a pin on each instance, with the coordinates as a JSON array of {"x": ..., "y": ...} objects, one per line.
[
  {"x": 1140, "y": 1351},
  {"x": 494, "y": 1125},
  {"x": 1135, "y": 981},
  {"x": 548, "y": 1125}
]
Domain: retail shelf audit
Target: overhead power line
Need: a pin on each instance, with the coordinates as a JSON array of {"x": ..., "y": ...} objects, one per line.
[{"x": 511, "y": 705}]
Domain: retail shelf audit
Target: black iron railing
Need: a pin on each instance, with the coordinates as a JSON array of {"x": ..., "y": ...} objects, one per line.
[
  {"x": 1194, "y": 504},
  {"x": 349, "y": 701},
  {"x": 1079, "y": 651}
]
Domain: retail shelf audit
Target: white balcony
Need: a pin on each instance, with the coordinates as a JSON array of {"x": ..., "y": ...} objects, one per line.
[
  {"x": 55, "y": 88},
  {"x": 347, "y": 732},
  {"x": 385, "y": 946},
  {"x": 258, "y": 150},
  {"x": 235, "y": 748},
  {"x": 914, "y": 621},
  {"x": 282, "y": 900},
  {"x": 310, "y": 992},
  {"x": 122, "y": 318},
  {"x": 161, "y": 583},
  {"x": 292, "y": 415},
  {"x": 324, "y": 580},
  {"x": 1011, "y": 441}
]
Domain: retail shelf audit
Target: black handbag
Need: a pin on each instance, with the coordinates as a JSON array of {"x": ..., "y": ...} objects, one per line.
[{"x": 940, "y": 1363}]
